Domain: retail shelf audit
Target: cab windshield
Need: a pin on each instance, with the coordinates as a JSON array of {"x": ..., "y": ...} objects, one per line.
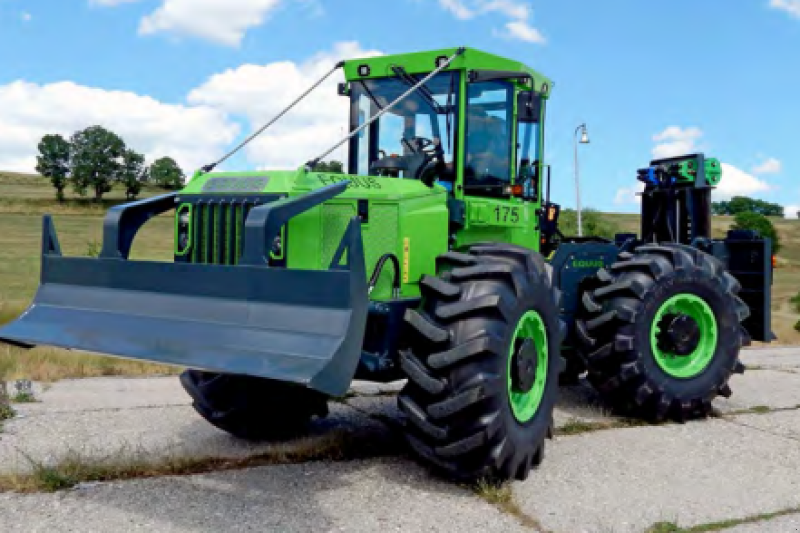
[{"x": 414, "y": 139}]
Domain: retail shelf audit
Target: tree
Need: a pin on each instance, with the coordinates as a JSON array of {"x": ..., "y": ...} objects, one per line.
[
  {"x": 132, "y": 173},
  {"x": 759, "y": 223},
  {"x": 743, "y": 204},
  {"x": 53, "y": 162},
  {"x": 166, "y": 173},
  {"x": 331, "y": 167},
  {"x": 96, "y": 159}
]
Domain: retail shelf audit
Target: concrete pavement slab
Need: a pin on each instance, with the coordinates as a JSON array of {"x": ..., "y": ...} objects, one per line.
[
  {"x": 627, "y": 479},
  {"x": 783, "y": 357},
  {"x": 356, "y": 497},
  {"x": 762, "y": 388},
  {"x": 782, "y": 423},
  {"x": 74, "y": 395}
]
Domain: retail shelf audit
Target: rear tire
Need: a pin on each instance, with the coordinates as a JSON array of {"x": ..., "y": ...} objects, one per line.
[
  {"x": 482, "y": 363},
  {"x": 253, "y": 408},
  {"x": 634, "y": 339}
]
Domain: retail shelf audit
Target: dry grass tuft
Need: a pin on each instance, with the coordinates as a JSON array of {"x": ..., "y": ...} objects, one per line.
[
  {"x": 501, "y": 495},
  {"x": 671, "y": 527},
  {"x": 577, "y": 426},
  {"x": 48, "y": 365},
  {"x": 75, "y": 468}
]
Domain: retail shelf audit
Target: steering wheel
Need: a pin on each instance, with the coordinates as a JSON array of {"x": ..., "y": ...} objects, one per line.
[
  {"x": 424, "y": 145},
  {"x": 426, "y": 158}
]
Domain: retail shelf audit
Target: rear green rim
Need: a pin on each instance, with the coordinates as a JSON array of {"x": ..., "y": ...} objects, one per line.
[
  {"x": 526, "y": 404},
  {"x": 686, "y": 366}
]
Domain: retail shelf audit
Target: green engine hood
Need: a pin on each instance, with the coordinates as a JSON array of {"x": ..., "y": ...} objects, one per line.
[{"x": 295, "y": 182}]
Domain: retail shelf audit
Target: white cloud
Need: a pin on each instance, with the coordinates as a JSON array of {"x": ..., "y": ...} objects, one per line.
[
  {"x": 519, "y": 13},
  {"x": 26, "y": 17},
  {"x": 629, "y": 195},
  {"x": 520, "y": 29},
  {"x": 259, "y": 92},
  {"x": 221, "y": 21},
  {"x": 790, "y": 211},
  {"x": 509, "y": 8},
  {"x": 28, "y": 111},
  {"x": 768, "y": 166},
  {"x": 737, "y": 182},
  {"x": 676, "y": 141},
  {"x": 792, "y": 7},
  {"x": 457, "y": 8}
]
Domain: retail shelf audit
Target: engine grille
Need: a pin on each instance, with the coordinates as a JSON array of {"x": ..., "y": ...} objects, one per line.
[{"x": 216, "y": 232}]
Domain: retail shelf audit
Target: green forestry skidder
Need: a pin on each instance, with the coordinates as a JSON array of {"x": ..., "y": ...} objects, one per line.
[{"x": 437, "y": 259}]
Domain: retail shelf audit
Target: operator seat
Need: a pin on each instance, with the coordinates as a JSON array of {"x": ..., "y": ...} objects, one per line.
[{"x": 486, "y": 153}]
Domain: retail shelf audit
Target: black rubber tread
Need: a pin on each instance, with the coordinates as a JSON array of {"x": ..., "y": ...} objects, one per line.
[
  {"x": 444, "y": 289},
  {"x": 253, "y": 408},
  {"x": 455, "y": 404},
  {"x": 612, "y": 331}
]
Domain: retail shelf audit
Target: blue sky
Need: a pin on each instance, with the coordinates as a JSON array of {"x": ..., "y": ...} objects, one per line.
[{"x": 189, "y": 78}]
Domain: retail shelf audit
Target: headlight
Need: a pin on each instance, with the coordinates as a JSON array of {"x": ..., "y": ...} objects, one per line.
[{"x": 184, "y": 219}]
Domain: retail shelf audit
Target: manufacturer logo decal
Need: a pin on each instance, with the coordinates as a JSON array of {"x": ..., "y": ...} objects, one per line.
[
  {"x": 356, "y": 182},
  {"x": 581, "y": 263}
]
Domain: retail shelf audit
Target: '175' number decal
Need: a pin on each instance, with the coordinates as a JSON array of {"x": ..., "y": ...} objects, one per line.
[{"x": 504, "y": 213}]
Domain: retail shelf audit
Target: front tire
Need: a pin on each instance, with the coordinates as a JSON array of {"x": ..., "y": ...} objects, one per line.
[
  {"x": 483, "y": 364},
  {"x": 660, "y": 332},
  {"x": 251, "y": 408}
]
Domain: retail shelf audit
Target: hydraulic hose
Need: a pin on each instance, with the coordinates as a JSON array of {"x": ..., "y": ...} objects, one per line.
[{"x": 376, "y": 274}]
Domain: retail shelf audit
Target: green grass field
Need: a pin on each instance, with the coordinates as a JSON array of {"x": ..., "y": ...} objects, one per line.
[
  {"x": 24, "y": 199},
  {"x": 79, "y": 223}
]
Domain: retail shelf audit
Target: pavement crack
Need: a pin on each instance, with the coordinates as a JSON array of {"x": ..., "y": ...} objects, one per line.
[
  {"x": 762, "y": 430},
  {"x": 51, "y": 412},
  {"x": 501, "y": 496}
]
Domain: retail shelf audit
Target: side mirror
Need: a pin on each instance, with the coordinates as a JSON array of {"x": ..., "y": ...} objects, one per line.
[
  {"x": 528, "y": 178},
  {"x": 529, "y": 107},
  {"x": 343, "y": 89}
]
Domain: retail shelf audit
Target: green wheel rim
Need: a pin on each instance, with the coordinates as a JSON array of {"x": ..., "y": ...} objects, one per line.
[
  {"x": 526, "y": 404},
  {"x": 686, "y": 366}
]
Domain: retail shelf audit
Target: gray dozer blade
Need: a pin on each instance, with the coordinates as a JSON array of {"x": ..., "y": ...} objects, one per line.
[{"x": 302, "y": 326}]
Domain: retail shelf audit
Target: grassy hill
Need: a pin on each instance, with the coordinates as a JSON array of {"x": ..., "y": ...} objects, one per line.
[{"x": 25, "y": 198}]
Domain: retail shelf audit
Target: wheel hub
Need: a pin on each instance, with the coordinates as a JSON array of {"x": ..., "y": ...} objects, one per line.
[
  {"x": 523, "y": 366},
  {"x": 680, "y": 335}
]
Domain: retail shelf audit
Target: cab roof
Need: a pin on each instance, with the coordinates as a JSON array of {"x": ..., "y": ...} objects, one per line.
[{"x": 424, "y": 62}]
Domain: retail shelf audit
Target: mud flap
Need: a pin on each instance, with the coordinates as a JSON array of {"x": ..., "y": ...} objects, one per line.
[{"x": 301, "y": 326}]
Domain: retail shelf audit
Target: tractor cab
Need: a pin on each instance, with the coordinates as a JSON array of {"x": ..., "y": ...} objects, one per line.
[{"x": 472, "y": 130}]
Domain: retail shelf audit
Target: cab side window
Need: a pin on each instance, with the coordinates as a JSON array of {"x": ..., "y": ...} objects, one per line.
[{"x": 487, "y": 166}]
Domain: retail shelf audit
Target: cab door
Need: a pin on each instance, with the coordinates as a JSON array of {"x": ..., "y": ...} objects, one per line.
[{"x": 499, "y": 163}]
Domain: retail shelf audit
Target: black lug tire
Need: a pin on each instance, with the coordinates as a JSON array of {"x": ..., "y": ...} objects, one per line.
[
  {"x": 613, "y": 331},
  {"x": 253, "y": 408},
  {"x": 456, "y": 412}
]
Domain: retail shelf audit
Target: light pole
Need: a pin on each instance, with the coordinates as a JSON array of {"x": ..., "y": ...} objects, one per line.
[{"x": 584, "y": 140}]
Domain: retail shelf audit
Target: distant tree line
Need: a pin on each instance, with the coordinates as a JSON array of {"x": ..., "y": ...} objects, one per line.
[
  {"x": 743, "y": 204},
  {"x": 760, "y": 223},
  {"x": 94, "y": 159}
]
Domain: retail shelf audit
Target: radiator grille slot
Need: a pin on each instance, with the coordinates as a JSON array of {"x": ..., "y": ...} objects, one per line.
[{"x": 217, "y": 229}]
